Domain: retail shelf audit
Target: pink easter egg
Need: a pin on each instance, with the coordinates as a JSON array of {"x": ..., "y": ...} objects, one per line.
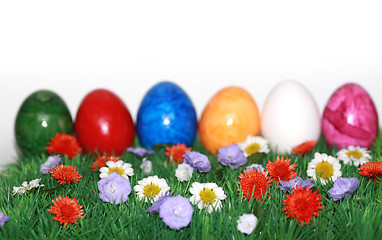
[{"x": 350, "y": 118}]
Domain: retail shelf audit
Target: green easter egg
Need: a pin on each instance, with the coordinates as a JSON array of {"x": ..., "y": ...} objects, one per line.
[{"x": 40, "y": 117}]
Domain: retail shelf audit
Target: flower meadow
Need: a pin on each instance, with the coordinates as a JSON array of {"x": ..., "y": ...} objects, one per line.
[{"x": 241, "y": 192}]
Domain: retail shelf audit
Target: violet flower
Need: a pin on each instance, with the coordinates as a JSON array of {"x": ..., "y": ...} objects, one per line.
[
  {"x": 198, "y": 161},
  {"x": 254, "y": 167},
  {"x": 343, "y": 187},
  {"x": 140, "y": 151},
  {"x": 3, "y": 219},
  {"x": 113, "y": 188},
  {"x": 50, "y": 163},
  {"x": 176, "y": 212},
  {"x": 288, "y": 186},
  {"x": 231, "y": 156},
  {"x": 156, "y": 205}
]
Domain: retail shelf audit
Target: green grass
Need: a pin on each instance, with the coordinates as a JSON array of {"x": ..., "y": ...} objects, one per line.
[{"x": 356, "y": 217}]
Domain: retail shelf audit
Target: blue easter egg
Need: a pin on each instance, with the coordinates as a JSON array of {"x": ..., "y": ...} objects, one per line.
[{"x": 166, "y": 115}]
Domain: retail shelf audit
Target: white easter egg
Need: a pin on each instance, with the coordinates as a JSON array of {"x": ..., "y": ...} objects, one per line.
[{"x": 290, "y": 117}]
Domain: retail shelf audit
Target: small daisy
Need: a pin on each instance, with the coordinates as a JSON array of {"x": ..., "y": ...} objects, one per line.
[
  {"x": 120, "y": 167},
  {"x": 146, "y": 166},
  {"x": 207, "y": 195},
  {"x": 151, "y": 188},
  {"x": 254, "y": 144},
  {"x": 184, "y": 172},
  {"x": 246, "y": 223},
  {"x": 354, "y": 155},
  {"x": 324, "y": 167}
]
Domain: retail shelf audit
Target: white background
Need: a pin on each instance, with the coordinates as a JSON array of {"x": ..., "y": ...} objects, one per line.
[{"x": 73, "y": 47}]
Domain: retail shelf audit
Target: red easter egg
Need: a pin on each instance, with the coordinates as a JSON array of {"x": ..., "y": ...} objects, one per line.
[{"x": 104, "y": 124}]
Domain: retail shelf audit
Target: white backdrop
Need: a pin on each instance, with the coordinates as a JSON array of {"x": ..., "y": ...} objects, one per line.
[{"x": 72, "y": 47}]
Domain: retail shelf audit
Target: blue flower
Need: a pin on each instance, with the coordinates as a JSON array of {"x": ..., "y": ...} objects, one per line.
[
  {"x": 3, "y": 219},
  {"x": 140, "y": 151},
  {"x": 343, "y": 187},
  {"x": 254, "y": 167},
  {"x": 288, "y": 186},
  {"x": 176, "y": 212},
  {"x": 231, "y": 156},
  {"x": 114, "y": 188},
  {"x": 50, "y": 163},
  {"x": 198, "y": 161}
]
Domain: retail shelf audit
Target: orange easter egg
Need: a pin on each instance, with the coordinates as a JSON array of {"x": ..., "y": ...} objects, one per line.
[{"x": 229, "y": 117}]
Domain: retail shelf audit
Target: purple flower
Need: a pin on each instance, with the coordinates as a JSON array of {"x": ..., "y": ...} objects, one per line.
[
  {"x": 176, "y": 212},
  {"x": 140, "y": 151},
  {"x": 113, "y": 188},
  {"x": 254, "y": 167},
  {"x": 3, "y": 218},
  {"x": 156, "y": 205},
  {"x": 198, "y": 161},
  {"x": 288, "y": 186},
  {"x": 232, "y": 156},
  {"x": 50, "y": 163},
  {"x": 343, "y": 187}
]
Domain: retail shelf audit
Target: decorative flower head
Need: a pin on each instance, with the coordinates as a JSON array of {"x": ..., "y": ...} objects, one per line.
[
  {"x": 302, "y": 204},
  {"x": 254, "y": 144},
  {"x": 156, "y": 205},
  {"x": 140, "y": 151},
  {"x": 371, "y": 169},
  {"x": 343, "y": 187},
  {"x": 304, "y": 147},
  {"x": 66, "y": 210},
  {"x": 175, "y": 153},
  {"x": 198, "y": 161},
  {"x": 50, "y": 163},
  {"x": 3, "y": 219},
  {"x": 113, "y": 188},
  {"x": 247, "y": 223},
  {"x": 151, "y": 188},
  {"x": 281, "y": 170},
  {"x": 184, "y": 172},
  {"x": 207, "y": 195},
  {"x": 324, "y": 168},
  {"x": 176, "y": 212},
  {"x": 254, "y": 167},
  {"x": 101, "y": 161},
  {"x": 25, "y": 186},
  {"x": 288, "y": 186},
  {"x": 146, "y": 166},
  {"x": 253, "y": 181},
  {"x": 231, "y": 156},
  {"x": 120, "y": 167},
  {"x": 64, "y": 144},
  {"x": 65, "y": 174},
  {"x": 354, "y": 155}
]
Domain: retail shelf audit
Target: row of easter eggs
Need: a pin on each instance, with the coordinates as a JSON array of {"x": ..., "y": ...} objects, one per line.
[{"x": 289, "y": 118}]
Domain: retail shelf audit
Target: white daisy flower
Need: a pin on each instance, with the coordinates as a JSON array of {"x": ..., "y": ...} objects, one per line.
[
  {"x": 120, "y": 167},
  {"x": 354, "y": 155},
  {"x": 246, "y": 223},
  {"x": 151, "y": 188},
  {"x": 184, "y": 172},
  {"x": 325, "y": 168},
  {"x": 146, "y": 166},
  {"x": 207, "y": 195},
  {"x": 25, "y": 186},
  {"x": 254, "y": 144}
]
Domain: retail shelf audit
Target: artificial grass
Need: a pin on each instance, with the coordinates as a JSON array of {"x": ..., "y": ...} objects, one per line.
[{"x": 356, "y": 217}]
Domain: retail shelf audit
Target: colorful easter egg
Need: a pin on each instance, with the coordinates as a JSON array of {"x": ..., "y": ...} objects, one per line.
[
  {"x": 350, "y": 118},
  {"x": 290, "y": 117},
  {"x": 104, "y": 124},
  {"x": 229, "y": 117},
  {"x": 40, "y": 117},
  {"x": 166, "y": 115}
]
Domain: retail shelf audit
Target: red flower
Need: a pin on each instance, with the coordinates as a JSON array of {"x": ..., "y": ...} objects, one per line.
[
  {"x": 371, "y": 169},
  {"x": 302, "y": 204},
  {"x": 281, "y": 170},
  {"x": 254, "y": 181},
  {"x": 101, "y": 161},
  {"x": 65, "y": 174},
  {"x": 66, "y": 210},
  {"x": 304, "y": 147},
  {"x": 65, "y": 144},
  {"x": 176, "y": 152}
]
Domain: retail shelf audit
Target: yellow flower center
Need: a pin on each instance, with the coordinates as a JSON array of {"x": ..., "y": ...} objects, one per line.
[
  {"x": 252, "y": 148},
  {"x": 355, "y": 153},
  {"x": 120, "y": 171},
  {"x": 207, "y": 196},
  {"x": 151, "y": 190},
  {"x": 324, "y": 170}
]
